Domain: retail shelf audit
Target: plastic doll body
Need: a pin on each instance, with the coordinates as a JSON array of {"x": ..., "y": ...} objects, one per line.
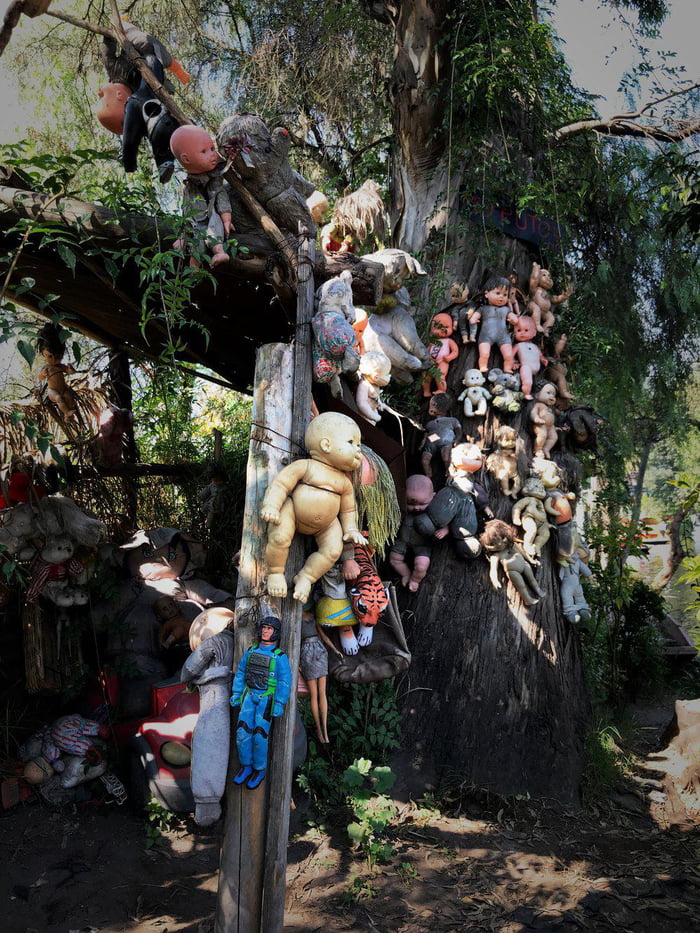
[
  {"x": 557, "y": 369},
  {"x": 314, "y": 497},
  {"x": 441, "y": 352},
  {"x": 54, "y": 373},
  {"x": 503, "y": 463},
  {"x": 558, "y": 506},
  {"x": 528, "y": 355},
  {"x": 419, "y": 495},
  {"x": 529, "y": 512},
  {"x": 493, "y": 317},
  {"x": 541, "y": 301},
  {"x": 474, "y": 396},
  {"x": 375, "y": 373},
  {"x": 462, "y": 312},
  {"x": 261, "y": 689},
  {"x": 543, "y": 420},
  {"x": 498, "y": 540}
]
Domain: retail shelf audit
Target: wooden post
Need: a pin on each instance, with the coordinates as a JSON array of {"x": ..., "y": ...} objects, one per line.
[{"x": 252, "y": 872}]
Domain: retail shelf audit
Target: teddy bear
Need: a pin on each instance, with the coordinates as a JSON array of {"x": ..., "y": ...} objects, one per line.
[
  {"x": 52, "y": 567},
  {"x": 503, "y": 462},
  {"x": 333, "y": 336},
  {"x": 474, "y": 396},
  {"x": 505, "y": 391}
]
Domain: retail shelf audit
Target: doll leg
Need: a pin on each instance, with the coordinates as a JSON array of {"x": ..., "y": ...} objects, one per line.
[
  {"x": 540, "y": 441},
  {"x": 398, "y": 563},
  {"x": 313, "y": 699},
  {"x": 541, "y": 538},
  {"x": 323, "y": 708},
  {"x": 427, "y": 383},
  {"x": 507, "y": 354},
  {"x": 420, "y": 568},
  {"x": 550, "y": 442},
  {"x": 440, "y": 379},
  {"x": 526, "y": 381},
  {"x": 521, "y": 586},
  {"x": 529, "y": 577},
  {"x": 330, "y": 547},
  {"x": 484, "y": 354},
  {"x": 279, "y": 539},
  {"x": 529, "y": 527},
  {"x": 348, "y": 641}
]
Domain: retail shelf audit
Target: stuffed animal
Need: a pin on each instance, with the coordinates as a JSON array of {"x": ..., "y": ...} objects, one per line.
[
  {"x": 529, "y": 512},
  {"x": 313, "y": 496},
  {"x": 375, "y": 373},
  {"x": 528, "y": 355},
  {"x": 474, "y": 396},
  {"x": 543, "y": 420},
  {"x": 573, "y": 600},
  {"x": 505, "y": 391},
  {"x": 441, "y": 352},
  {"x": 493, "y": 317},
  {"x": 334, "y": 338},
  {"x": 540, "y": 302},
  {"x": 419, "y": 495},
  {"x": 52, "y": 567},
  {"x": 18, "y": 531},
  {"x": 68, "y": 736},
  {"x": 498, "y": 540},
  {"x": 503, "y": 462},
  {"x": 368, "y": 595},
  {"x": 441, "y": 433}
]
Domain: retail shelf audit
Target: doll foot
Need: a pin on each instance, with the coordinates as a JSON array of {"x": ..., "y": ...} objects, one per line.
[
  {"x": 244, "y": 773},
  {"x": 206, "y": 814},
  {"x": 256, "y": 779},
  {"x": 364, "y": 635},
  {"x": 277, "y": 585},
  {"x": 413, "y": 586},
  {"x": 218, "y": 259},
  {"x": 165, "y": 173},
  {"x": 302, "y": 588},
  {"x": 348, "y": 642}
]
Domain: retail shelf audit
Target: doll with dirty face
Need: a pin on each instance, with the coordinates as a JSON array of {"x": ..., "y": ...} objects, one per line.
[
  {"x": 494, "y": 317},
  {"x": 419, "y": 495}
]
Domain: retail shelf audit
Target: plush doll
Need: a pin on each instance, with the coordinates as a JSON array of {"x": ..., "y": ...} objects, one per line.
[
  {"x": 52, "y": 567},
  {"x": 18, "y": 531},
  {"x": 503, "y": 462},
  {"x": 334, "y": 338},
  {"x": 391, "y": 328},
  {"x": 540, "y": 302},
  {"x": 260, "y": 158},
  {"x": 315, "y": 497},
  {"x": 557, "y": 369},
  {"x": 313, "y": 666},
  {"x": 375, "y": 373},
  {"x": 558, "y": 505},
  {"x": 206, "y": 202},
  {"x": 26, "y": 482},
  {"x": 528, "y": 355},
  {"x": 493, "y": 318},
  {"x": 261, "y": 689},
  {"x": 419, "y": 495},
  {"x": 506, "y": 396},
  {"x": 368, "y": 595},
  {"x": 441, "y": 353},
  {"x": 54, "y": 372},
  {"x": 529, "y": 512},
  {"x": 498, "y": 540},
  {"x": 474, "y": 396},
  {"x": 67, "y": 736},
  {"x": 573, "y": 600},
  {"x": 441, "y": 433},
  {"x": 210, "y": 668},
  {"x": 462, "y": 312},
  {"x": 543, "y": 420}
]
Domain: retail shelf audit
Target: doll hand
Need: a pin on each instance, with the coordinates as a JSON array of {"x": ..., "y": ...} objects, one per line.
[
  {"x": 226, "y": 221},
  {"x": 235, "y": 701},
  {"x": 174, "y": 631},
  {"x": 351, "y": 570},
  {"x": 270, "y": 515},
  {"x": 441, "y": 533},
  {"x": 356, "y": 537}
]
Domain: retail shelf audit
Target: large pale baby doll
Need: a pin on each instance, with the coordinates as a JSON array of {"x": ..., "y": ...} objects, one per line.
[{"x": 313, "y": 497}]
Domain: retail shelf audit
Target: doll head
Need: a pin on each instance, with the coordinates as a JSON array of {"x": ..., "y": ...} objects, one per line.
[
  {"x": 208, "y": 623},
  {"x": 496, "y": 291},
  {"x": 466, "y": 458},
  {"x": 439, "y": 405},
  {"x": 110, "y": 110},
  {"x": 375, "y": 367},
  {"x": 334, "y": 439},
  {"x": 550, "y": 475},
  {"x": 533, "y": 487},
  {"x": 547, "y": 394},
  {"x": 317, "y": 203},
  {"x": 497, "y": 536},
  {"x": 194, "y": 149},
  {"x": 459, "y": 293},
  {"x": 442, "y": 325},
  {"x": 166, "y": 608},
  {"x": 57, "y": 550},
  {"x": 49, "y": 344},
  {"x": 525, "y": 328},
  {"x": 473, "y": 378},
  {"x": 506, "y": 438},
  {"x": 545, "y": 279},
  {"x": 269, "y": 631},
  {"x": 419, "y": 493}
]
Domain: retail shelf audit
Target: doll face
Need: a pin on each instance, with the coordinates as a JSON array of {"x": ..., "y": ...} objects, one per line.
[
  {"x": 442, "y": 325},
  {"x": 166, "y": 608},
  {"x": 497, "y": 296},
  {"x": 195, "y": 150},
  {"x": 467, "y": 458},
  {"x": 267, "y": 634},
  {"x": 57, "y": 550},
  {"x": 545, "y": 278},
  {"x": 525, "y": 329},
  {"x": 343, "y": 449},
  {"x": 459, "y": 293},
  {"x": 419, "y": 494},
  {"x": 53, "y": 359},
  {"x": 110, "y": 110},
  {"x": 550, "y": 475},
  {"x": 547, "y": 394}
]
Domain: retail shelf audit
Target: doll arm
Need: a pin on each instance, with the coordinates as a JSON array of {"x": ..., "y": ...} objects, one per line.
[
  {"x": 348, "y": 515},
  {"x": 462, "y": 396},
  {"x": 543, "y": 358},
  {"x": 550, "y": 508},
  {"x": 362, "y": 402},
  {"x": 197, "y": 662},
  {"x": 534, "y": 277},
  {"x": 493, "y": 571},
  {"x": 284, "y": 685},
  {"x": 512, "y": 317},
  {"x": 454, "y": 351},
  {"x": 584, "y": 570},
  {"x": 327, "y": 642},
  {"x": 278, "y": 490},
  {"x": 536, "y": 413}
]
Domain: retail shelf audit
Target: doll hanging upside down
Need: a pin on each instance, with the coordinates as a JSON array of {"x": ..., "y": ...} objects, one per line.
[{"x": 313, "y": 497}]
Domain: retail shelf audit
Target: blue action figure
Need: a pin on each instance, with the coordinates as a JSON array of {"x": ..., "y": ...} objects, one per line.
[{"x": 261, "y": 689}]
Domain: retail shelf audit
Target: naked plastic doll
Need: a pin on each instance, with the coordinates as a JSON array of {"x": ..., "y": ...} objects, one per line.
[
  {"x": 543, "y": 420},
  {"x": 540, "y": 302},
  {"x": 205, "y": 200},
  {"x": 494, "y": 316},
  {"x": 441, "y": 351},
  {"x": 54, "y": 373},
  {"x": 375, "y": 373},
  {"x": 528, "y": 355},
  {"x": 498, "y": 541},
  {"x": 314, "y": 497},
  {"x": 529, "y": 512}
]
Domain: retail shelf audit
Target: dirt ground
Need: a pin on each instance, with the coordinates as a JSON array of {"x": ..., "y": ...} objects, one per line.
[{"x": 509, "y": 866}]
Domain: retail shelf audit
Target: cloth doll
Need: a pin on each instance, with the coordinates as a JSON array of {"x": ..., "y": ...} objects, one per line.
[
  {"x": 529, "y": 512},
  {"x": 493, "y": 318},
  {"x": 375, "y": 374},
  {"x": 52, "y": 567},
  {"x": 313, "y": 496},
  {"x": 441, "y": 352},
  {"x": 503, "y": 462},
  {"x": 210, "y": 668},
  {"x": 474, "y": 396},
  {"x": 573, "y": 600},
  {"x": 441, "y": 433},
  {"x": 498, "y": 540},
  {"x": 410, "y": 541},
  {"x": 540, "y": 302},
  {"x": 206, "y": 202},
  {"x": 261, "y": 689},
  {"x": 313, "y": 665},
  {"x": 528, "y": 355},
  {"x": 543, "y": 420},
  {"x": 333, "y": 334}
]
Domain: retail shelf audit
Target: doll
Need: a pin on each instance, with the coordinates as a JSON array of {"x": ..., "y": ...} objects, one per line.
[
  {"x": 499, "y": 543},
  {"x": 558, "y": 505},
  {"x": 573, "y": 600},
  {"x": 474, "y": 396},
  {"x": 333, "y": 334},
  {"x": 210, "y": 667},
  {"x": 313, "y": 496},
  {"x": 540, "y": 302},
  {"x": 516, "y": 299},
  {"x": 543, "y": 419},
  {"x": 557, "y": 369},
  {"x": 52, "y": 567},
  {"x": 528, "y": 355},
  {"x": 493, "y": 317},
  {"x": 462, "y": 312},
  {"x": 209, "y": 495},
  {"x": 505, "y": 391},
  {"x": 206, "y": 201},
  {"x": 375, "y": 373},
  {"x": 441, "y": 433},
  {"x": 313, "y": 665},
  {"x": 419, "y": 495},
  {"x": 174, "y": 626},
  {"x": 503, "y": 462},
  {"x": 530, "y": 513},
  {"x": 54, "y": 372},
  {"x": 441, "y": 353},
  {"x": 110, "y": 110},
  {"x": 261, "y": 689}
]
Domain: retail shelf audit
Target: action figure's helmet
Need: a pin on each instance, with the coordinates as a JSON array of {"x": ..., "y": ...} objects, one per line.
[{"x": 275, "y": 624}]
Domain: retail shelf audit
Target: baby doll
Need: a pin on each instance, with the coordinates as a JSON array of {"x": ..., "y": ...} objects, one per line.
[
  {"x": 558, "y": 505},
  {"x": 474, "y": 396},
  {"x": 540, "y": 302},
  {"x": 462, "y": 312},
  {"x": 557, "y": 369},
  {"x": 54, "y": 373},
  {"x": 493, "y": 317},
  {"x": 375, "y": 373},
  {"x": 503, "y": 462},
  {"x": 573, "y": 600},
  {"x": 206, "y": 201},
  {"x": 498, "y": 541},
  {"x": 419, "y": 495},
  {"x": 516, "y": 299},
  {"x": 441, "y": 433},
  {"x": 528, "y": 355},
  {"x": 174, "y": 626},
  {"x": 441, "y": 353},
  {"x": 543, "y": 419},
  {"x": 530, "y": 513},
  {"x": 314, "y": 497}
]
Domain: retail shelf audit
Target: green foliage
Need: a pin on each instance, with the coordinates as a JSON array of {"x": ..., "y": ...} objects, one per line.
[
  {"x": 372, "y": 809},
  {"x": 606, "y": 763},
  {"x": 158, "y": 821}
]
